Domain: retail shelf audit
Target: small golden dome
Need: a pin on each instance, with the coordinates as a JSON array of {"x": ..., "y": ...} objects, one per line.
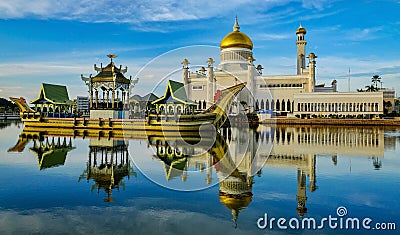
[
  {"x": 236, "y": 39},
  {"x": 312, "y": 55},
  {"x": 301, "y": 30}
]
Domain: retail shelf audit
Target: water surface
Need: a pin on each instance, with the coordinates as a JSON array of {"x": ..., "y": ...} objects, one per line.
[{"x": 65, "y": 184}]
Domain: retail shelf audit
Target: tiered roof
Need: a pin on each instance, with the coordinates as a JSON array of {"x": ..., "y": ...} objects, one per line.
[
  {"x": 175, "y": 91},
  {"x": 53, "y": 94},
  {"x": 111, "y": 73}
]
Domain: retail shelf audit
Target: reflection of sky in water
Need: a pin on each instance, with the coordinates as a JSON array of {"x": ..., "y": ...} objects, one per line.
[{"x": 52, "y": 200}]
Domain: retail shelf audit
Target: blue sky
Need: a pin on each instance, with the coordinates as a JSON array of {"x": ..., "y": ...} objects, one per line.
[{"x": 55, "y": 41}]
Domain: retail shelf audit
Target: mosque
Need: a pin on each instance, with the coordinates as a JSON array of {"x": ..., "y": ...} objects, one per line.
[{"x": 295, "y": 95}]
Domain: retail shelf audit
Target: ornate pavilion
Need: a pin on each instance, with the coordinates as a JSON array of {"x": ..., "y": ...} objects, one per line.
[
  {"x": 174, "y": 100},
  {"x": 53, "y": 100},
  {"x": 109, "y": 91}
]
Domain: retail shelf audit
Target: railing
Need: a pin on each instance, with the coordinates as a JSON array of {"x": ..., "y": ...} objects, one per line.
[{"x": 105, "y": 106}]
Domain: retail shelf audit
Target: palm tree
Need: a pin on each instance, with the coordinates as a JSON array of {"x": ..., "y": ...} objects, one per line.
[
  {"x": 375, "y": 79},
  {"x": 370, "y": 88}
]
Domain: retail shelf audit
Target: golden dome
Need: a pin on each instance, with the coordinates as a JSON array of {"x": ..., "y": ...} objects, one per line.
[
  {"x": 301, "y": 30},
  {"x": 235, "y": 203},
  {"x": 236, "y": 39}
]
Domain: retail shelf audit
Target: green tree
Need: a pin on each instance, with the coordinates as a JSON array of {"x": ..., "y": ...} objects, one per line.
[
  {"x": 375, "y": 80},
  {"x": 386, "y": 106},
  {"x": 370, "y": 88}
]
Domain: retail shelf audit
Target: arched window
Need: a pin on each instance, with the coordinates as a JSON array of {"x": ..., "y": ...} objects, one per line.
[
  {"x": 288, "y": 106},
  {"x": 257, "y": 106},
  {"x": 272, "y": 105},
  {"x": 262, "y": 104},
  {"x": 283, "y": 105},
  {"x": 267, "y": 105},
  {"x": 204, "y": 104},
  {"x": 278, "y": 105},
  {"x": 199, "y": 104}
]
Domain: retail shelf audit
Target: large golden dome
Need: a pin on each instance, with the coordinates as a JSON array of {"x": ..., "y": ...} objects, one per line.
[{"x": 236, "y": 39}]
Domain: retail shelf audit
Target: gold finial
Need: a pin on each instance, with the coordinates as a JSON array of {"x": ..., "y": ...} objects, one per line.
[
  {"x": 236, "y": 26},
  {"x": 111, "y": 56},
  {"x": 235, "y": 215}
]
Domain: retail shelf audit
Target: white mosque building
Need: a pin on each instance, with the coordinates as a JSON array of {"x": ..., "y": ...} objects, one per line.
[{"x": 287, "y": 95}]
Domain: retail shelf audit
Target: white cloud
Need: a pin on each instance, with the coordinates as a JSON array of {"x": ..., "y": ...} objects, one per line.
[
  {"x": 43, "y": 68},
  {"x": 271, "y": 36},
  {"x": 117, "y": 220},
  {"x": 318, "y": 4},
  {"x": 136, "y": 12},
  {"x": 363, "y": 34}
]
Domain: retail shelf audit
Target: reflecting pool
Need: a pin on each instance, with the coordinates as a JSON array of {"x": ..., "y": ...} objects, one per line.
[{"x": 234, "y": 182}]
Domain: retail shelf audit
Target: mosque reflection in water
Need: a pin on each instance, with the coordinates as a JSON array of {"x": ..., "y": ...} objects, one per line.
[
  {"x": 236, "y": 157},
  {"x": 108, "y": 164},
  {"x": 50, "y": 151},
  {"x": 108, "y": 160}
]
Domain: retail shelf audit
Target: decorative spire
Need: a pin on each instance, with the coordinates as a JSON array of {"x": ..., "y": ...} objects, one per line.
[
  {"x": 235, "y": 214},
  {"x": 236, "y": 26},
  {"x": 185, "y": 63},
  {"x": 111, "y": 56},
  {"x": 301, "y": 30},
  {"x": 210, "y": 62}
]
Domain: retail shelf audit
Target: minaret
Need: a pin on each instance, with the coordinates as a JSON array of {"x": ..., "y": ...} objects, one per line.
[
  {"x": 301, "y": 196},
  {"x": 311, "y": 66},
  {"x": 210, "y": 81},
  {"x": 313, "y": 181},
  {"x": 301, "y": 49},
  {"x": 185, "y": 75},
  {"x": 250, "y": 82}
]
